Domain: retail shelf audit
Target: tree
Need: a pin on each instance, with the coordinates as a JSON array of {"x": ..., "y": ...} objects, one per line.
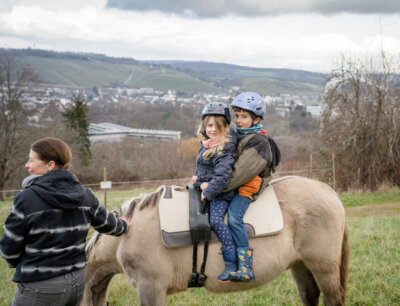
[
  {"x": 361, "y": 121},
  {"x": 76, "y": 116},
  {"x": 300, "y": 120},
  {"x": 15, "y": 113}
]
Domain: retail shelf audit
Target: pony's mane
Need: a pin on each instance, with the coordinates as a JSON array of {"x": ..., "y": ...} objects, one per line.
[
  {"x": 126, "y": 210},
  {"x": 144, "y": 201},
  {"x": 91, "y": 243}
]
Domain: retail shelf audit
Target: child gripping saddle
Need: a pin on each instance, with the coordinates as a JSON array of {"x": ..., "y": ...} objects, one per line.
[
  {"x": 199, "y": 220},
  {"x": 184, "y": 224}
]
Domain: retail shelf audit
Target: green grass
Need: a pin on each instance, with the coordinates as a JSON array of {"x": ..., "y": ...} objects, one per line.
[
  {"x": 350, "y": 199},
  {"x": 178, "y": 82},
  {"x": 374, "y": 272},
  {"x": 80, "y": 73},
  {"x": 275, "y": 86},
  {"x": 90, "y": 73},
  {"x": 116, "y": 198}
]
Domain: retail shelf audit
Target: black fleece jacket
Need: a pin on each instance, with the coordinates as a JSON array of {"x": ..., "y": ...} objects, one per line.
[{"x": 45, "y": 233}]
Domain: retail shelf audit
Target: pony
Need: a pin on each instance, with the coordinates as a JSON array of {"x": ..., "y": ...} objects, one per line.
[{"x": 314, "y": 245}]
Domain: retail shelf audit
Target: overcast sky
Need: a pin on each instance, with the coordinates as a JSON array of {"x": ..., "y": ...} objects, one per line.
[{"x": 298, "y": 34}]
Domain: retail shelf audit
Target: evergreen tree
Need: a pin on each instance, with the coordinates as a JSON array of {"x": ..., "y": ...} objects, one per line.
[{"x": 77, "y": 120}]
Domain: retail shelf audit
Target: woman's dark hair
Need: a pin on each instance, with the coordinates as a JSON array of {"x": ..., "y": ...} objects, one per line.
[{"x": 53, "y": 149}]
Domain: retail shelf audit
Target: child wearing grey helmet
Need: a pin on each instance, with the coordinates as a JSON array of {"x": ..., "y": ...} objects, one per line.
[{"x": 214, "y": 163}]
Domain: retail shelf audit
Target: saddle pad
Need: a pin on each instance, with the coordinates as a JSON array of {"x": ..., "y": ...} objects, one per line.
[{"x": 263, "y": 217}]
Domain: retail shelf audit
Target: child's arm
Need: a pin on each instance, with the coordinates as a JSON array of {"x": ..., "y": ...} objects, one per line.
[
  {"x": 253, "y": 159},
  {"x": 196, "y": 181},
  {"x": 223, "y": 165}
]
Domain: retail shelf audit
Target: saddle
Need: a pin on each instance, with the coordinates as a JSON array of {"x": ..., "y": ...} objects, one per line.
[
  {"x": 263, "y": 217},
  {"x": 184, "y": 220}
]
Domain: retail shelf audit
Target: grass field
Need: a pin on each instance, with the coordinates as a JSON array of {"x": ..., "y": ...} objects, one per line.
[
  {"x": 374, "y": 224},
  {"x": 72, "y": 72},
  {"x": 190, "y": 77}
]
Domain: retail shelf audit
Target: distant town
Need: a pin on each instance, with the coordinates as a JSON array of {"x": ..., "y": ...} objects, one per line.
[
  {"x": 60, "y": 95},
  {"x": 46, "y": 93}
]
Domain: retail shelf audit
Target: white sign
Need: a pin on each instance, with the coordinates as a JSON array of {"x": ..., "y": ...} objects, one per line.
[{"x": 105, "y": 185}]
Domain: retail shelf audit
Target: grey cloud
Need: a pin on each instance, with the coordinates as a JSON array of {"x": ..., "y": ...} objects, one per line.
[{"x": 217, "y": 8}]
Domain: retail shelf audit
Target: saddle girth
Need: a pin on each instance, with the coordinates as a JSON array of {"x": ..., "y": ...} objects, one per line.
[{"x": 200, "y": 231}]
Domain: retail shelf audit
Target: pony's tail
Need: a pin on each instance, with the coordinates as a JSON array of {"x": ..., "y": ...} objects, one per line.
[{"x": 345, "y": 261}]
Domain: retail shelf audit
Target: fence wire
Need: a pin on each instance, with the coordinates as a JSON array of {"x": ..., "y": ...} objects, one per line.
[{"x": 147, "y": 184}]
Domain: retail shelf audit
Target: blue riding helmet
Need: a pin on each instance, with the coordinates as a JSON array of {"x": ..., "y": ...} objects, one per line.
[
  {"x": 251, "y": 102},
  {"x": 216, "y": 108}
]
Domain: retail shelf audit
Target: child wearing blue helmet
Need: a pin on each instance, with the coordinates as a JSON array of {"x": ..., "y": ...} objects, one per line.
[
  {"x": 214, "y": 163},
  {"x": 252, "y": 172}
]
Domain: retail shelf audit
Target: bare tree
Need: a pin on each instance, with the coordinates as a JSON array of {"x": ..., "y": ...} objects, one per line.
[
  {"x": 15, "y": 111},
  {"x": 361, "y": 121}
]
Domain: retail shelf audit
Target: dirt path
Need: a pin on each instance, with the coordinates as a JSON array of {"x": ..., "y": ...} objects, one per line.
[{"x": 377, "y": 210}]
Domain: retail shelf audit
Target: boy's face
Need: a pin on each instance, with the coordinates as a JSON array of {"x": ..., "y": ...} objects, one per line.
[{"x": 244, "y": 120}]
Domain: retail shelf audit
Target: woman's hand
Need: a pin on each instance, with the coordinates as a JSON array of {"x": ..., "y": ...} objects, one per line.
[
  {"x": 203, "y": 186},
  {"x": 194, "y": 179},
  {"x": 203, "y": 198},
  {"x": 127, "y": 220}
]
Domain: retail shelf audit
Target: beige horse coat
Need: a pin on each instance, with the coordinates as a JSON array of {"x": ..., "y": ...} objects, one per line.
[{"x": 313, "y": 245}]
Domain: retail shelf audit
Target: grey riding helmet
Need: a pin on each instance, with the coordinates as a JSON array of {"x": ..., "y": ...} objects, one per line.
[{"x": 216, "y": 108}]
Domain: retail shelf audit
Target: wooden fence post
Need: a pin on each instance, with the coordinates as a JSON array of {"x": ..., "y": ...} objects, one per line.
[
  {"x": 310, "y": 165},
  {"x": 105, "y": 190},
  {"x": 333, "y": 171}
]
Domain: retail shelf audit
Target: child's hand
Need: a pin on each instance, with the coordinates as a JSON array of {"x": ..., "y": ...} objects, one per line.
[
  {"x": 203, "y": 186},
  {"x": 203, "y": 198},
  {"x": 194, "y": 179}
]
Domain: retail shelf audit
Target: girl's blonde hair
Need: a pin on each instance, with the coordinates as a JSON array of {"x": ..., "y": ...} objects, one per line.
[{"x": 223, "y": 132}]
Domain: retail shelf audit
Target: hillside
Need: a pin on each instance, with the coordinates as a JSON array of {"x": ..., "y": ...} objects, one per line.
[{"x": 88, "y": 70}]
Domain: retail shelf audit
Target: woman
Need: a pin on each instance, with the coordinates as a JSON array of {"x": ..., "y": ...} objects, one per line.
[{"x": 45, "y": 234}]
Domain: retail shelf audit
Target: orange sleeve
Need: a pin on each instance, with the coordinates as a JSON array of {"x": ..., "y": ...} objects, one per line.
[{"x": 251, "y": 187}]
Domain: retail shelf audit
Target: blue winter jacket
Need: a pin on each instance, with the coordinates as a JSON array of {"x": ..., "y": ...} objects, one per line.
[{"x": 217, "y": 170}]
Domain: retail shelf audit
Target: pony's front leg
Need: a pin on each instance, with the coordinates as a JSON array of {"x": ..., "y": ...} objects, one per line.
[
  {"x": 96, "y": 292},
  {"x": 151, "y": 286},
  {"x": 151, "y": 294}
]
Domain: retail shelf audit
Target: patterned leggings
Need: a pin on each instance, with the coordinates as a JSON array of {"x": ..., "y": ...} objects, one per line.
[{"x": 218, "y": 209}]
